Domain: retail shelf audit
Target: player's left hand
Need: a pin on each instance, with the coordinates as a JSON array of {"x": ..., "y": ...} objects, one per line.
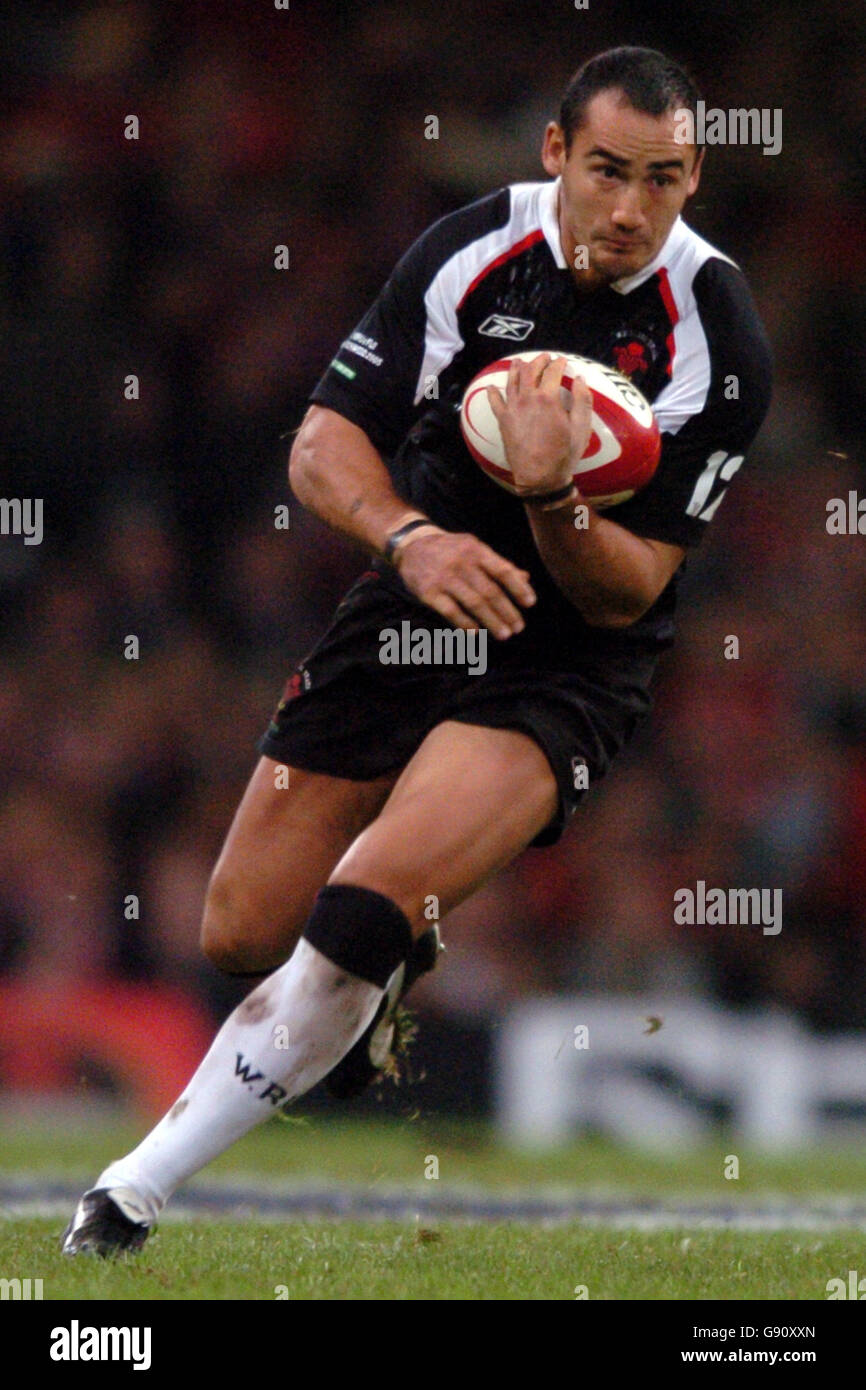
[{"x": 543, "y": 440}]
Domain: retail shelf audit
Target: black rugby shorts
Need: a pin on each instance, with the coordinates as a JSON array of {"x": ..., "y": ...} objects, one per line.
[{"x": 347, "y": 714}]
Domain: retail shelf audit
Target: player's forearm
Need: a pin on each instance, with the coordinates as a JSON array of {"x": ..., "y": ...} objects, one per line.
[
  {"x": 609, "y": 574},
  {"x": 336, "y": 473}
]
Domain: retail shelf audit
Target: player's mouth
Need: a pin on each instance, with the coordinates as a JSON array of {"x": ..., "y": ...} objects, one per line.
[{"x": 619, "y": 244}]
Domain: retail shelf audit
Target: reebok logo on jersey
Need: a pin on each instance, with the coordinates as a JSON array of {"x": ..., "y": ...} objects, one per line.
[{"x": 504, "y": 326}]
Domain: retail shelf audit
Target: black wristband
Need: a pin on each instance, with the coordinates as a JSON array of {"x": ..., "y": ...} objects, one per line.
[
  {"x": 557, "y": 495},
  {"x": 396, "y": 536}
]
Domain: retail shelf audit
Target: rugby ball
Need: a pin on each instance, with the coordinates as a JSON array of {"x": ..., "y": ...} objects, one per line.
[{"x": 624, "y": 446}]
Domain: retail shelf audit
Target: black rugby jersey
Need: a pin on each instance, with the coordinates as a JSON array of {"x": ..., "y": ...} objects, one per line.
[{"x": 492, "y": 279}]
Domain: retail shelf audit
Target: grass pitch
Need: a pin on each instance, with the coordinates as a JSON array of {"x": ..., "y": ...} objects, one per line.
[
  {"x": 391, "y": 1261},
  {"x": 426, "y": 1258}
]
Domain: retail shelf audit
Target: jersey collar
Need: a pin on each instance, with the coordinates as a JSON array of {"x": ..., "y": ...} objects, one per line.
[
  {"x": 550, "y": 227},
  {"x": 550, "y": 222},
  {"x": 670, "y": 248}
]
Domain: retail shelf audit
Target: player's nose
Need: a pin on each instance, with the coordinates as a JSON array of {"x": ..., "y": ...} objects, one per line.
[{"x": 628, "y": 213}]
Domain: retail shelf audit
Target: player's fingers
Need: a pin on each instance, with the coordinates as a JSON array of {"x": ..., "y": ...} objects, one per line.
[
  {"x": 515, "y": 581},
  {"x": 456, "y": 614},
  {"x": 580, "y": 415},
  {"x": 537, "y": 367},
  {"x": 490, "y": 604},
  {"x": 551, "y": 378},
  {"x": 514, "y": 381},
  {"x": 580, "y": 391},
  {"x": 496, "y": 401}
]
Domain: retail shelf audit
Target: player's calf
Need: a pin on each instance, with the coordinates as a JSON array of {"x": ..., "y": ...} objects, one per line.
[{"x": 284, "y": 1038}]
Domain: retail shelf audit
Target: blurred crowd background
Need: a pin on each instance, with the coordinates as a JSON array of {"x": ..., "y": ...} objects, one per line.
[{"x": 305, "y": 127}]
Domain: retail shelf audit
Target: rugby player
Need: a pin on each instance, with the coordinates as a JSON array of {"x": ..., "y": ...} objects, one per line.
[{"x": 406, "y": 782}]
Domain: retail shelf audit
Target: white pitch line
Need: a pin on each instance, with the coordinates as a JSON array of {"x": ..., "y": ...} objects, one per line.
[{"x": 264, "y": 1202}]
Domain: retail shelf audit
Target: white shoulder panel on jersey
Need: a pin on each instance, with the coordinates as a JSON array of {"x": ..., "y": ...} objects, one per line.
[
  {"x": 531, "y": 205},
  {"x": 678, "y": 263}
]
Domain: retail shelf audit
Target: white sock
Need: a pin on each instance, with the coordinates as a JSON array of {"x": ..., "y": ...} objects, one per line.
[{"x": 289, "y": 1033}]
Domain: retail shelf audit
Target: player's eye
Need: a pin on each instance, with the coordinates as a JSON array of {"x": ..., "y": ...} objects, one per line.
[{"x": 661, "y": 180}]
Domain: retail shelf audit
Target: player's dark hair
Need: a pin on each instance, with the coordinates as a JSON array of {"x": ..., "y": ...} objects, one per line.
[{"x": 651, "y": 83}]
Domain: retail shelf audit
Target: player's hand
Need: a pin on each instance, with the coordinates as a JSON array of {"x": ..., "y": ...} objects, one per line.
[
  {"x": 543, "y": 440},
  {"x": 463, "y": 579}
]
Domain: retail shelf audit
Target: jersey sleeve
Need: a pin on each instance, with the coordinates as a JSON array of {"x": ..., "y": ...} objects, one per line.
[
  {"x": 710, "y": 412},
  {"x": 381, "y": 371}
]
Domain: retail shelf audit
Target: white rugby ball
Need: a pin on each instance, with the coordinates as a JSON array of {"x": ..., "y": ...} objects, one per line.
[{"x": 624, "y": 446}]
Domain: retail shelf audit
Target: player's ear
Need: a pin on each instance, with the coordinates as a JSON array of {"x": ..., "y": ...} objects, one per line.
[
  {"x": 553, "y": 153},
  {"x": 695, "y": 175}
]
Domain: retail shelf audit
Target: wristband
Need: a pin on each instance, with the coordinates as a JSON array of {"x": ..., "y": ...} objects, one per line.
[
  {"x": 395, "y": 538},
  {"x": 551, "y": 501}
]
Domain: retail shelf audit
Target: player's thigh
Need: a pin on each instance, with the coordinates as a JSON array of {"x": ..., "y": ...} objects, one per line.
[
  {"x": 468, "y": 801},
  {"x": 289, "y": 831}
]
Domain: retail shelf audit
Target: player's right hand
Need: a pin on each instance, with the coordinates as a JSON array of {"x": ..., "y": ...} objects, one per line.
[{"x": 463, "y": 579}]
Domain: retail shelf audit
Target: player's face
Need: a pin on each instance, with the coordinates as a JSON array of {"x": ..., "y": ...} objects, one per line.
[{"x": 625, "y": 179}]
